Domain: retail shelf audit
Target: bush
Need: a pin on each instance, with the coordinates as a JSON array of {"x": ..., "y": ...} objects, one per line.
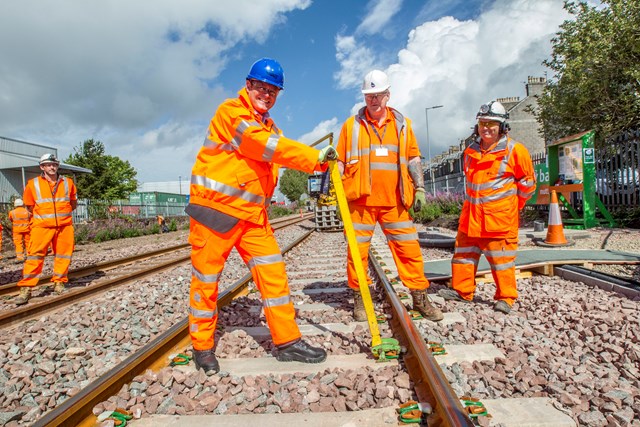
[
  {"x": 439, "y": 205},
  {"x": 276, "y": 211},
  {"x": 122, "y": 227}
]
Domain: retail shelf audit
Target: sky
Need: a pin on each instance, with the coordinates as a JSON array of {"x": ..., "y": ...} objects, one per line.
[{"x": 145, "y": 77}]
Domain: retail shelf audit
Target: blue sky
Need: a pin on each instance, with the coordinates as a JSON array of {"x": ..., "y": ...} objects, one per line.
[{"x": 145, "y": 77}]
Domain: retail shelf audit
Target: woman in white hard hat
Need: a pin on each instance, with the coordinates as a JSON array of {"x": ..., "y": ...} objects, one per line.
[{"x": 20, "y": 219}]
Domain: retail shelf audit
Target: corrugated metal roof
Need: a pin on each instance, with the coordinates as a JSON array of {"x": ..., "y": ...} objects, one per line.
[{"x": 11, "y": 161}]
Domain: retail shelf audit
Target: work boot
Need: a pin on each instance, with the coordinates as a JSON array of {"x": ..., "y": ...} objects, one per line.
[
  {"x": 359, "y": 315},
  {"x": 58, "y": 288},
  {"x": 300, "y": 351},
  {"x": 25, "y": 295},
  {"x": 206, "y": 359},
  {"x": 451, "y": 295},
  {"x": 421, "y": 304},
  {"x": 502, "y": 306}
]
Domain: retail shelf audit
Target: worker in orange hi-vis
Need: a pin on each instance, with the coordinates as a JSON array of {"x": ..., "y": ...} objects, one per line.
[
  {"x": 499, "y": 180},
  {"x": 51, "y": 199},
  {"x": 20, "y": 218},
  {"x": 379, "y": 159},
  {"x": 232, "y": 183}
]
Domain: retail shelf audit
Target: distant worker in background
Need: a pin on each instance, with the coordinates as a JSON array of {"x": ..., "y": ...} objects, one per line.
[
  {"x": 51, "y": 199},
  {"x": 379, "y": 159},
  {"x": 162, "y": 223},
  {"x": 499, "y": 180},
  {"x": 20, "y": 219},
  {"x": 232, "y": 183}
]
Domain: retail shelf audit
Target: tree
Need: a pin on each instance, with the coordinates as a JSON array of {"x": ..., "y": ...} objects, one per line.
[
  {"x": 597, "y": 79},
  {"x": 112, "y": 178},
  {"x": 293, "y": 184}
]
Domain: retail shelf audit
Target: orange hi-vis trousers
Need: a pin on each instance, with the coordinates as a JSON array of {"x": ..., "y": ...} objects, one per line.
[
  {"x": 402, "y": 238},
  {"x": 258, "y": 248},
  {"x": 21, "y": 242},
  {"x": 501, "y": 255},
  {"x": 61, "y": 238}
]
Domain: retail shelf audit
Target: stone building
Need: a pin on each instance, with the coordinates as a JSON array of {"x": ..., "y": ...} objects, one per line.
[{"x": 524, "y": 127}]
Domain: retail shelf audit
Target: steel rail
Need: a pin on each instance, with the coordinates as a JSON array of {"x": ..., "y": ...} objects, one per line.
[
  {"x": 36, "y": 309},
  {"x": 78, "y": 408},
  {"x": 448, "y": 409}
]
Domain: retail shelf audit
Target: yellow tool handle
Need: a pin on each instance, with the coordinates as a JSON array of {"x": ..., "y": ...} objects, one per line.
[{"x": 355, "y": 253}]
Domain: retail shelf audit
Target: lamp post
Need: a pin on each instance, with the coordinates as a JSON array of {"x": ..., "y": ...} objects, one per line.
[
  {"x": 433, "y": 184},
  {"x": 180, "y": 183}
]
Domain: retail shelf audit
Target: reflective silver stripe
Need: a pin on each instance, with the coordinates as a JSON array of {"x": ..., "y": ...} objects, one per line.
[
  {"x": 467, "y": 250},
  {"x": 63, "y": 256},
  {"x": 384, "y": 166},
  {"x": 206, "y": 278},
  {"x": 60, "y": 215},
  {"x": 276, "y": 302},
  {"x": 396, "y": 225},
  {"x": 401, "y": 237},
  {"x": 203, "y": 314},
  {"x": 35, "y": 257},
  {"x": 227, "y": 189},
  {"x": 264, "y": 260},
  {"x": 363, "y": 227},
  {"x": 270, "y": 148},
  {"x": 497, "y": 183},
  {"x": 526, "y": 183},
  {"x": 240, "y": 130},
  {"x": 355, "y": 134},
  {"x": 492, "y": 198},
  {"x": 193, "y": 327},
  {"x": 30, "y": 276},
  {"x": 364, "y": 239},
  {"x": 500, "y": 253},
  {"x": 217, "y": 145},
  {"x": 391, "y": 148},
  {"x": 526, "y": 194},
  {"x": 473, "y": 261},
  {"x": 505, "y": 266}
]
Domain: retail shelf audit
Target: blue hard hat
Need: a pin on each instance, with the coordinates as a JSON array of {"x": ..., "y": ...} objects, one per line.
[{"x": 267, "y": 70}]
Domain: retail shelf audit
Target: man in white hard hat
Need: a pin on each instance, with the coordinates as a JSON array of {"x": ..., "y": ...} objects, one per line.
[
  {"x": 20, "y": 219},
  {"x": 51, "y": 198},
  {"x": 379, "y": 159},
  {"x": 499, "y": 180}
]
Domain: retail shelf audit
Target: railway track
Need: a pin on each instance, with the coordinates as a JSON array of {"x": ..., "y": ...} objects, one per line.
[{"x": 324, "y": 313}]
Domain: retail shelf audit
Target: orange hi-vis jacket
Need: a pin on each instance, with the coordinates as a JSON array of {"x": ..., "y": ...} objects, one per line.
[
  {"x": 51, "y": 203},
  {"x": 20, "y": 219},
  {"x": 359, "y": 141},
  {"x": 499, "y": 182},
  {"x": 236, "y": 170}
]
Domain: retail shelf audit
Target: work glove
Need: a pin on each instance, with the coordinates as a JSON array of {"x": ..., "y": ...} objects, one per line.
[
  {"x": 326, "y": 154},
  {"x": 419, "y": 200}
]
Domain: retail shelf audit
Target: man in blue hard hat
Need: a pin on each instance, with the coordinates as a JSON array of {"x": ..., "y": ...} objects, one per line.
[{"x": 232, "y": 183}]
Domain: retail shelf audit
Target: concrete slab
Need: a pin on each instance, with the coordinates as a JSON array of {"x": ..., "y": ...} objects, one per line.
[
  {"x": 526, "y": 412},
  {"x": 306, "y": 329},
  {"x": 302, "y": 307},
  {"x": 269, "y": 365},
  {"x": 457, "y": 353},
  {"x": 441, "y": 269},
  {"x": 369, "y": 417},
  {"x": 321, "y": 290}
]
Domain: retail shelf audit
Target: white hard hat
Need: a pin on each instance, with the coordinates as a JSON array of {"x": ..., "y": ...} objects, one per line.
[
  {"x": 492, "y": 111},
  {"x": 375, "y": 81},
  {"x": 18, "y": 202},
  {"x": 49, "y": 158}
]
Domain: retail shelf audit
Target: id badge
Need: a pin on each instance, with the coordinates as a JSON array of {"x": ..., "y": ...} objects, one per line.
[{"x": 382, "y": 152}]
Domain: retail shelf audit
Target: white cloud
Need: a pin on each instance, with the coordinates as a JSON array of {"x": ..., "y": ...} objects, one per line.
[
  {"x": 121, "y": 71},
  {"x": 381, "y": 12},
  {"x": 320, "y": 131},
  {"x": 355, "y": 60},
  {"x": 462, "y": 64}
]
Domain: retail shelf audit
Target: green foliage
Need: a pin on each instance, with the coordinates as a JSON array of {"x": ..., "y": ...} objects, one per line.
[
  {"x": 276, "y": 211},
  {"x": 449, "y": 204},
  {"x": 293, "y": 184},
  {"x": 595, "y": 63},
  {"x": 112, "y": 178}
]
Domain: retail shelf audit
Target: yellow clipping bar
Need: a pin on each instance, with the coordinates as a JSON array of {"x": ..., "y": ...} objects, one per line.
[{"x": 355, "y": 253}]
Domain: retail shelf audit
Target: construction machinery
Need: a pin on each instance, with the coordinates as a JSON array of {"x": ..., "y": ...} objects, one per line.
[{"x": 323, "y": 196}]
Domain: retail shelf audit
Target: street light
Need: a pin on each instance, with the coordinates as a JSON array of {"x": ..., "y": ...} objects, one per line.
[
  {"x": 433, "y": 184},
  {"x": 180, "y": 183}
]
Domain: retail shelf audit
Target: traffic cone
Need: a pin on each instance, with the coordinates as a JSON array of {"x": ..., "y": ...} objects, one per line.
[{"x": 555, "y": 230}]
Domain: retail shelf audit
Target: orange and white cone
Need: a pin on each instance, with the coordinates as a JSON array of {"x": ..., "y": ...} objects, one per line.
[{"x": 555, "y": 230}]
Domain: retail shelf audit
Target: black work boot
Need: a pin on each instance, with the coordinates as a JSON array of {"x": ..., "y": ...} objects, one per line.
[
  {"x": 206, "y": 359},
  {"x": 300, "y": 351},
  {"x": 359, "y": 314},
  {"x": 421, "y": 303}
]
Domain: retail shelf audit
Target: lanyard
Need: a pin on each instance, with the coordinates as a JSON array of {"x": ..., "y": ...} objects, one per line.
[{"x": 384, "y": 131}]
